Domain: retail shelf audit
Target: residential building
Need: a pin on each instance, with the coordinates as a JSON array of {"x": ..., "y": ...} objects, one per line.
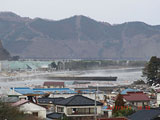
[
  {"x": 79, "y": 106},
  {"x": 31, "y": 108},
  {"x": 137, "y": 99}
]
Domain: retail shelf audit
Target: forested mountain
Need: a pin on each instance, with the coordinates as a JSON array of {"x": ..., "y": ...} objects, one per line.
[{"x": 78, "y": 37}]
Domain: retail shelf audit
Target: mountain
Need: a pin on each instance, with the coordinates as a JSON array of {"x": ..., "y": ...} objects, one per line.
[
  {"x": 4, "y": 54},
  {"x": 78, "y": 37}
]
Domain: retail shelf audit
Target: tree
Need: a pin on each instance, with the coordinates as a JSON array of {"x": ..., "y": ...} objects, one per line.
[
  {"x": 118, "y": 103},
  {"x": 120, "y": 109},
  {"x": 53, "y": 65},
  {"x": 152, "y": 71},
  {"x": 8, "y": 112}
]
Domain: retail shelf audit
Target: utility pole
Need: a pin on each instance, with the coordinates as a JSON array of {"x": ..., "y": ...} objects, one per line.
[{"x": 95, "y": 107}]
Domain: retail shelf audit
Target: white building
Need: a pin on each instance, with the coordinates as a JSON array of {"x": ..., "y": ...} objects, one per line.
[
  {"x": 158, "y": 97},
  {"x": 31, "y": 108}
]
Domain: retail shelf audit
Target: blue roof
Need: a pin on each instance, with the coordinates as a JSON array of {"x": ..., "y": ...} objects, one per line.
[
  {"x": 128, "y": 90},
  {"x": 88, "y": 91},
  {"x": 55, "y": 90},
  {"x": 27, "y": 90}
]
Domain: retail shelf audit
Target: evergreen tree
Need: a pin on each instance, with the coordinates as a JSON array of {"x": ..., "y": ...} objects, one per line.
[
  {"x": 152, "y": 71},
  {"x": 119, "y": 103}
]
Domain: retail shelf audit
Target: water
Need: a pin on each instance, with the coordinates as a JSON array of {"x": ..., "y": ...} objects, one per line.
[{"x": 125, "y": 76}]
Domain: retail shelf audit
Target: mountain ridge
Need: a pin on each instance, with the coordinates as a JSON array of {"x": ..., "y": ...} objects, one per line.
[{"x": 78, "y": 37}]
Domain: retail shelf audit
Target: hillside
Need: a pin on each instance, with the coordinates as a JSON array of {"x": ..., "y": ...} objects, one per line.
[
  {"x": 78, "y": 37},
  {"x": 4, "y": 54}
]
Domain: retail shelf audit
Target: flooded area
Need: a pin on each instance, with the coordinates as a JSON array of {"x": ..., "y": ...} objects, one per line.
[{"x": 125, "y": 76}]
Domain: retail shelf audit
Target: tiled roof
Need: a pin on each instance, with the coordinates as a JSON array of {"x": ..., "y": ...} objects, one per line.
[
  {"x": 54, "y": 115},
  {"x": 20, "y": 102},
  {"x": 136, "y": 96},
  {"x": 78, "y": 100},
  {"x": 53, "y": 84},
  {"x": 49, "y": 100},
  {"x": 145, "y": 114}
]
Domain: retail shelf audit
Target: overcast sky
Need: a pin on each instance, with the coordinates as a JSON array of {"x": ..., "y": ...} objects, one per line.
[{"x": 112, "y": 11}]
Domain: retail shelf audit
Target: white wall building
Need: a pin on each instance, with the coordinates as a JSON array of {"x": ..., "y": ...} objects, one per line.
[{"x": 31, "y": 108}]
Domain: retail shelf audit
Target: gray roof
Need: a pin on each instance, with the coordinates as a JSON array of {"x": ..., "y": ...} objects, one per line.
[
  {"x": 78, "y": 100},
  {"x": 49, "y": 100},
  {"x": 145, "y": 114},
  {"x": 54, "y": 115}
]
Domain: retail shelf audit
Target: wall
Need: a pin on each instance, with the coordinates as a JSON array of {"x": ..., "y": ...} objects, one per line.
[{"x": 31, "y": 107}]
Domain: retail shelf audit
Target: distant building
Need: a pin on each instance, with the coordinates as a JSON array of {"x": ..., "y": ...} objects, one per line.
[
  {"x": 53, "y": 85},
  {"x": 31, "y": 108},
  {"x": 124, "y": 92}
]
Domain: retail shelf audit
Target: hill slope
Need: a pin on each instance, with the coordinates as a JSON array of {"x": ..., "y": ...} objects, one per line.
[
  {"x": 4, "y": 54},
  {"x": 78, "y": 37}
]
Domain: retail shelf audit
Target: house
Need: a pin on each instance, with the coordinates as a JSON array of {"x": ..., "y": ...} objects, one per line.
[
  {"x": 158, "y": 97},
  {"x": 79, "y": 106},
  {"x": 53, "y": 85},
  {"x": 31, "y": 108},
  {"x": 49, "y": 103},
  {"x": 152, "y": 114},
  {"x": 137, "y": 99}
]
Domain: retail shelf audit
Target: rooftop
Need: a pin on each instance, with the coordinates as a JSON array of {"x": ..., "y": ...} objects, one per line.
[
  {"x": 53, "y": 84},
  {"x": 78, "y": 100},
  {"x": 41, "y": 91},
  {"x": 128, "y": 90},
  {"x": 20, "y": 102},
  {"x": 55, "y": 90},
  {"x": 136, "y": 96},
  {"x": 145, "y": 114},
  {"x": 54, "y": 115},
  {"x": 26, "y": 90},
  {"x": 49, "y": 100}
]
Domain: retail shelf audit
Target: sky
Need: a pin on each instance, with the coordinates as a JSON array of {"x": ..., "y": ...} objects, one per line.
[{"x": 112, "y": 11}]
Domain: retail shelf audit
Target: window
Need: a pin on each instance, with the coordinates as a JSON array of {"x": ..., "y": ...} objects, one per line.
[
  {"x": 35, "y": 113},
  {"x": 73, "y": 111},
  {"x": 60, "y": 109}
]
